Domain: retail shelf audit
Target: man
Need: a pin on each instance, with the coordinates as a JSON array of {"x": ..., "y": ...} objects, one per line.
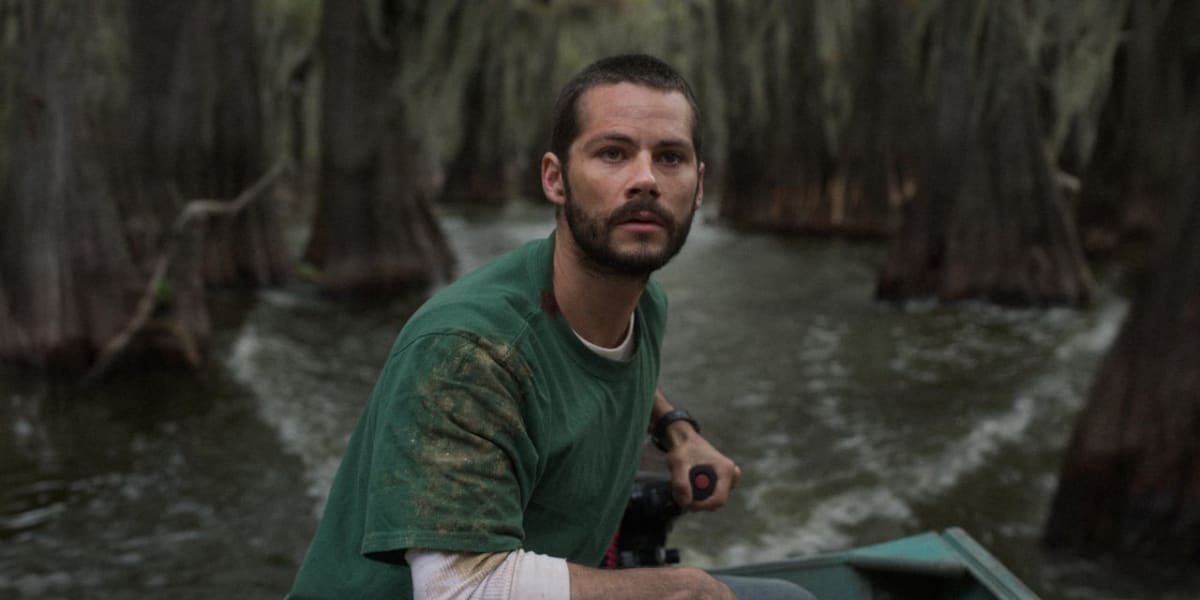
[{"x": 496, "y": 454}]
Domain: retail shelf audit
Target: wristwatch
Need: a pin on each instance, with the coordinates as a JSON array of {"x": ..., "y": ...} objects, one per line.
[{"x": 658, "y": 434}]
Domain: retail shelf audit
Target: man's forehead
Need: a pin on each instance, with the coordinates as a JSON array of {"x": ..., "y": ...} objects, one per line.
[{"x": 631, "y": 102}]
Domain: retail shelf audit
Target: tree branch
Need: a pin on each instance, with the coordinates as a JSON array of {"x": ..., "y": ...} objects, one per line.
[{"x": 192, "y": 212}]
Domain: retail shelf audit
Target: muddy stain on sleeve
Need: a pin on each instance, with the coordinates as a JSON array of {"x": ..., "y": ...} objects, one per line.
[
  {"x": 468, "y": 432},
  {"x": 462, "y": 573}
]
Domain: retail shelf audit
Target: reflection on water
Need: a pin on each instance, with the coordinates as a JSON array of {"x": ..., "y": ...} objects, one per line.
[
  {"x": 143, "y": 489},
  {"x": 853, "y": 421}
]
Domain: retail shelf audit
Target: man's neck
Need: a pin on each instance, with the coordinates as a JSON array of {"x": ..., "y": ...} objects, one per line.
[{"x": 597, "y": 306}]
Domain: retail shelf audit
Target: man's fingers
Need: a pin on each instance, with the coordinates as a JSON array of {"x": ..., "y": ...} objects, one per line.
[{"x": 682, "y": 489}]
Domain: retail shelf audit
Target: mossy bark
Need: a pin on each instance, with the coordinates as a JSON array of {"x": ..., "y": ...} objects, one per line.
[
  {"x": 1130, "y": 481},
  {"x": 76, "y": 227},
  {"x": 777, "y": 161},
  {"x": 1136, "y": 160},
  {"x": 987, "y": 220},
  {"x": 195, "y": 81},
  {"x": 874, "y": 176},
  {"x": 374, "y": 229},
  {"x": 481, "y": 172}
]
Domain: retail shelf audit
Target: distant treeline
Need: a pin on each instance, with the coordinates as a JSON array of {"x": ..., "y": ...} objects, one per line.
[{"x": 992, "y": 141}]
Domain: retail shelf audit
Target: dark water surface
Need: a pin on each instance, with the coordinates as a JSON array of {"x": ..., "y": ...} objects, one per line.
[{"x": 854, "y": 422}]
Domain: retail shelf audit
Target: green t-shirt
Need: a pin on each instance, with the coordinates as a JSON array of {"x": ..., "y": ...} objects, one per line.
[{"x": 491, "y": 428}]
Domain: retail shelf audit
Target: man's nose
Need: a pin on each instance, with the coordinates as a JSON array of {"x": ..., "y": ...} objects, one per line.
[{"x": 642, "y": 180}]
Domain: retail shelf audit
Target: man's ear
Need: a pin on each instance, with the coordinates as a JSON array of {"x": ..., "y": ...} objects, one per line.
[
  {"x": 553, "y": 185},
  {"x": 700, "y": 186}
]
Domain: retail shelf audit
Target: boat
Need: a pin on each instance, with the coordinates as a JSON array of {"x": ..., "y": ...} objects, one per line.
[{"x": 945, "y": 565}]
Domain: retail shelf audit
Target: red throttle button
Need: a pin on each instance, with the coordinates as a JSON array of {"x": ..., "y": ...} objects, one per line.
[{"x": 704, "y": 481}]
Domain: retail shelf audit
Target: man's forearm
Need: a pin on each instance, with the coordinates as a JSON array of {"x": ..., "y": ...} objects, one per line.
[
  {"x": 521, "y": 574},
  {"x": 678, "y": 432},
  {"x": 686, "y": 449},
  {"x": 648, "y": 583}
]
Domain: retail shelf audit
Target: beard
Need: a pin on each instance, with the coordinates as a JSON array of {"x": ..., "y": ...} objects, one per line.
[{"x": 593, "y": 236}]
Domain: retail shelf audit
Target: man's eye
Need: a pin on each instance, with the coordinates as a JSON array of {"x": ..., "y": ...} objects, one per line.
[
  {"x": 670, "y": 158},
  {"x": 612, "y": 154}
]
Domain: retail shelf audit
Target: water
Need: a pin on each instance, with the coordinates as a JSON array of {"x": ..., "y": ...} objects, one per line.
[{"x": 854, "y": 422}]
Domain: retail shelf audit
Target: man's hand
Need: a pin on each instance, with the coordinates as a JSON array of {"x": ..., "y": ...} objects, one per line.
[{"x": 688, "y": 449}]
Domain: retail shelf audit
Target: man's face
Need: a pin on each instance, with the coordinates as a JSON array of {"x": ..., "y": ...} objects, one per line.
[{"x": 633, "y": 182}]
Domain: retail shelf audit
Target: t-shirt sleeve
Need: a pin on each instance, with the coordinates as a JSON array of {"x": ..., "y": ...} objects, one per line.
[{"x": 452, "y": 463}]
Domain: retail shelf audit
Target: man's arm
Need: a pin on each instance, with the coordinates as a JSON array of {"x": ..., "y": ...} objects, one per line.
[
  {"x": 652, "y": 583},
  {"x": 687, "y": 448},
  {"x": 518, "y": 574},
  {"x": 438, "y": 575}
]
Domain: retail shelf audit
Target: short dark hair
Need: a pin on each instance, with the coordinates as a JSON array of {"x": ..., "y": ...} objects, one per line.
[{"x": 640, "y": 69}]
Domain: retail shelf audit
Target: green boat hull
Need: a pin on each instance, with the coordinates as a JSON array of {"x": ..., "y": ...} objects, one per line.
[{"x": 949, "y": 565}]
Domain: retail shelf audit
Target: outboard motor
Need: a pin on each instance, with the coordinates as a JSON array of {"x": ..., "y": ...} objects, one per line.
[{"x": 641, "y": 540}]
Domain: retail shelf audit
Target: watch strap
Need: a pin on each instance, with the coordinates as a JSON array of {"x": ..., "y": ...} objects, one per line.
[{"x": 659, "y": 433}]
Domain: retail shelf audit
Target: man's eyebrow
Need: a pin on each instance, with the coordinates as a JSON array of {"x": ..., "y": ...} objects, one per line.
[
  {"x": 674, "y": 143},
  {"x": 610, "y": 137},
  {"x": 622, "y": 138}
]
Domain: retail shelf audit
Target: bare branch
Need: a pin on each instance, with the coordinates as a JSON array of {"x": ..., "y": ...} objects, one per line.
[{"x": 193, "y": 211}]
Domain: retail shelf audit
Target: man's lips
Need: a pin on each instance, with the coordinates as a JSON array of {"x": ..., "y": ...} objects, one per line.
[{"x": 643, "y": 217}]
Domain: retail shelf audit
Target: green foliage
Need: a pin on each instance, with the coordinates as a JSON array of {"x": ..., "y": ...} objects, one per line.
[
  {"x": 525, "y": 49},
  {"x": 1070, "y": 44},
  {"x": 309, "y": 272},
  {"x": 1075, "y": 44},
  {"x": 164, "y": 296}
]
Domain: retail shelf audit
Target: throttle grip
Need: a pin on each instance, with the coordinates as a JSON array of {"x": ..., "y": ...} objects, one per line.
[{"x": 704, "y": 481}]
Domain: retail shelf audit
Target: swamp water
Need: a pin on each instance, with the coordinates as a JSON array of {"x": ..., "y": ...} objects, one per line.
[{"x": 854, "y": 422}]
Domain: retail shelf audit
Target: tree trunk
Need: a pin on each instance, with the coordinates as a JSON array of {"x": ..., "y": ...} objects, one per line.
[
  {"x": 874, "y": 177},
  {"x": 1130, "y": 482},
  {"x": 777, "y": 161},
  {"x": 74, "y": 234},
  {"x": 374, "y": 230},
  {"x": 1136, "y": 159},
  {"x": 538, "y": 97},
  {"x": 196, "y": 89},
  {"x": 481, "y": 171},
  {"x": 987, "y": 220},
  {"x": 498, "y": 75}
]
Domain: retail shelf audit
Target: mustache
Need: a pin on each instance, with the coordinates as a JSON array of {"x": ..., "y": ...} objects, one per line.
[{"x": 643, "y": 204}]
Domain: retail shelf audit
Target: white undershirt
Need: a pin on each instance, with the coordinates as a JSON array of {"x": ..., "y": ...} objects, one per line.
[
  {"x": 621, "y": 352},
  {"x": 441, "y": 575}
]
